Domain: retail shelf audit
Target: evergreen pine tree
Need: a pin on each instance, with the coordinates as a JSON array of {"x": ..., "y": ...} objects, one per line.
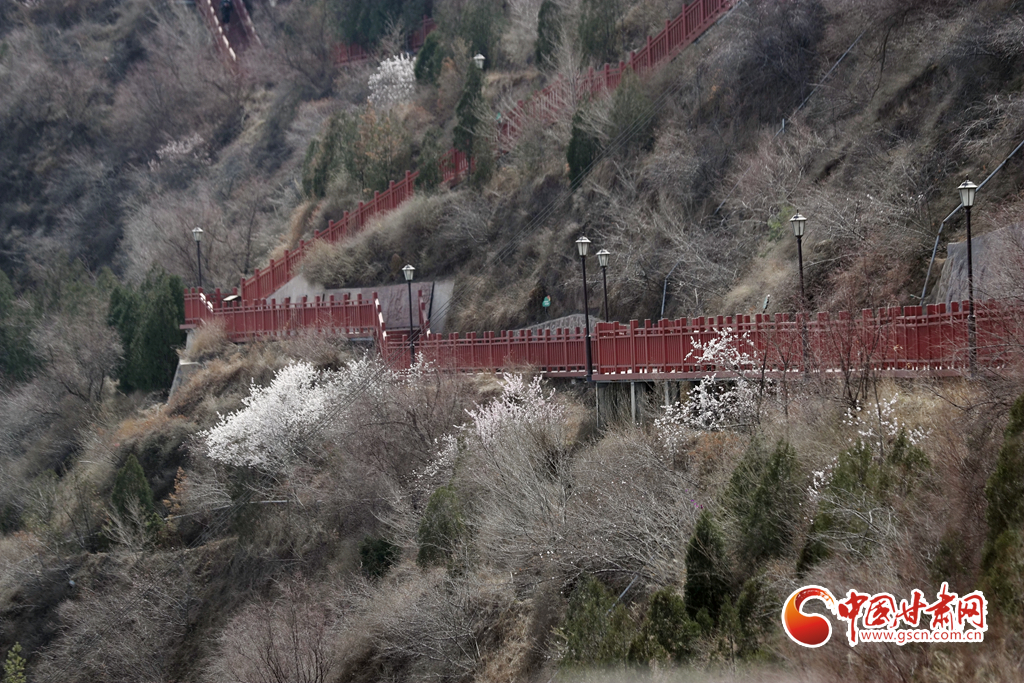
[
  {"x": 583, "y": 149},
  {"x": 765, "y": 496},
  {"x": 667, "y": 631},
  {"x": 549, "y": 29},
  {"x": 429, "y": 160},
  {"x": 14, "y": 665},
  {"x": 428, "y": 60},
  {"x": 467, "y": 111},
  {"x": 123, "y": 316},
  {"x": 16, "y": 358},
  {"x": 148, "y": 321},
  {"x": 131, "y": 484},
  {"x": 707, "y": 581},
  {"x": 1002, "y": 561}
]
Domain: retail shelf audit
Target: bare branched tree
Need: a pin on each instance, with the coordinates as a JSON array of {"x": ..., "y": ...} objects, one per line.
[{"x": 282, "y": 640}]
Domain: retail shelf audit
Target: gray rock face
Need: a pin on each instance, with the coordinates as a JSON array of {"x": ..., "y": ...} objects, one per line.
[{"x": 998, "y": 264}]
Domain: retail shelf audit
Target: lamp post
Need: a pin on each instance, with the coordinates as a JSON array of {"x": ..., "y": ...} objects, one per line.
[
  {"x": 479, "y": 60},
  {"x": 408, "y": 270},
  {"x": 197, "y": 235},
  {"x": 602, "y": 259},
  {"x": 581, "y": 245},
  {"x": 798, "y": 230},
  {"x": 967, "y": 192}
]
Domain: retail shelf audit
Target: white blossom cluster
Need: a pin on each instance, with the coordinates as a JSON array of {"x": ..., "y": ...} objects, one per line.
[
  {"x": 447, "y": 451},
  {"x": 521, "y": 404},
  {"x": 393, "y": 83},
  {"x": 283, "y": 424},
  {"x": 176, "y": 150},
  {"x": 713, "y": 406},
  {"x": 820, "y": 479},
  {"x": 880, "y": 423}
]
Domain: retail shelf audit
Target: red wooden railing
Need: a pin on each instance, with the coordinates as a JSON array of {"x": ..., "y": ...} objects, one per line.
[
  {"x": 549, "y": 103},
  {"x": 247, "y": 321},
  {"x": 454, "y": 165},
  {"x": 909, "y": 342},
  {"x": 345, "y": 54},
  {"x": 266, "y": 281}
]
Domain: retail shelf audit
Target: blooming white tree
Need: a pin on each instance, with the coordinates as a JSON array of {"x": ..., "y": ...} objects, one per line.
[
  {"x": 521, "y": 405},
  {"x": 714, "y": 406},
  {"x": 393, "y": 83},
  {"x": 281, "y": 424},
  {"x": 879, "y": 423},
  {"x": 523, "y": 411}
]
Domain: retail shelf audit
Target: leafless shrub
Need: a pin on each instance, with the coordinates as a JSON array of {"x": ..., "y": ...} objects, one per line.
[
  {"x": 81, "y": 351},
  {"x": 129, "y": 529},
  {"x": 301, "y": 43},
  {"x": 158, "y": 230},
  {"x": 616, "y": 507},
  {"x": 631, "y": 513},
  {"x": 429, "y": 625},
  {"x": 519, "y": 37},
  {"x": 776, "y": 59},
  {"x": 288, "y": 638},
  {"x": 178, "y": 91},
  {"x": 21, "y": 555},
  {"x": 671, "y": 171},
  {"x": 417, "y": 414},
  {"x": 200, "y": 491},
  {"x": 102, "y": 640}
]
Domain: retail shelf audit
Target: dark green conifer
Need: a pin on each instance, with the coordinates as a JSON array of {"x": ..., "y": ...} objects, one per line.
[
  {"x": 707, "y": 578},
  {"x": 549, "y": 29},
  {"x": 467, "y": 111},
  {"x": 1002, "y": 561}
]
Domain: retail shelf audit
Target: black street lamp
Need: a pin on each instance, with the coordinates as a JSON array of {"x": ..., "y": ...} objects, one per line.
[
  {"x": 602, "y": 259},
  {"x": 967, "y": 192},
  {"x": 581, "y": 245},
  {"x": 408, "y": 270},
  {"x": 197, "y": 235},
  {"x": 798, "y": 230}
]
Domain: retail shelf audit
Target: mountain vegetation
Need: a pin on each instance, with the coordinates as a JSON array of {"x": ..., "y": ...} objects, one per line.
[{"x": 300, "y": 511}]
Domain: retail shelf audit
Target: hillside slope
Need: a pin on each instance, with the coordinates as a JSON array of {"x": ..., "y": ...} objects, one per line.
[{"x": 300, "y": 512}]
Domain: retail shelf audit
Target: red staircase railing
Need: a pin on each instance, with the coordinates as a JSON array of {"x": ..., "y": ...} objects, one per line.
[
  {"x": 235, "y": 36},
  {"x": 549, "y": 103},
  {"x": 220, "y": 37},
  {"x": 265, "y": 281}
]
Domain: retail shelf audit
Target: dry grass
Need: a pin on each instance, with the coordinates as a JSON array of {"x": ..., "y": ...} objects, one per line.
[
  {"x": 209, "y": 340},
  {"x": 21, "y": 553},
  {"x": 436, "y": 233},
  {"x": 220, "y": 386}
]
